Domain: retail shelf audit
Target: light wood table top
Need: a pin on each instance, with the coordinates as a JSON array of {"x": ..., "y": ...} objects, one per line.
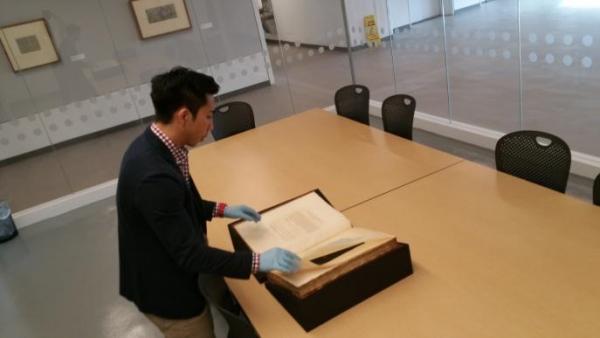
[
  {"x": 348, "y": 161},
  {"x": 494, "y": 256}
]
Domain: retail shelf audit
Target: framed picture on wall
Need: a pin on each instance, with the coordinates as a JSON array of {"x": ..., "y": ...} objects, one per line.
[
  {"x": 160, "y": 17},
  {"x": 28, "y": 45}
]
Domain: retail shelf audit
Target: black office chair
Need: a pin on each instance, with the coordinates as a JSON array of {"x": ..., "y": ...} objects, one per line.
[
  {"x": 398, "y": 113},
  {"x": 535, "y": 156},
  {"x": 597, "y": 190},
  {"x": 232, "y": 118},
  {"x": 353, "y": 102},
  {"x": 216, "y": 292}
]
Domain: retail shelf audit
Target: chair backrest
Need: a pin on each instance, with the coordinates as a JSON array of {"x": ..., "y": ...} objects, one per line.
[
  {"x": 398, "y": 113},
  {"x": 597, "y": 190},
  {"x": 353, "y": 102},
  {"x": 536, "y": 156},
  {"x": 216, "y": 292},
  {"x": 232, "y": 118}
]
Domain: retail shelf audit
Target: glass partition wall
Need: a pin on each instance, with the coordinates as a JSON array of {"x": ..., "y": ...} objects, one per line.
[{"x": 500, "y": 65}]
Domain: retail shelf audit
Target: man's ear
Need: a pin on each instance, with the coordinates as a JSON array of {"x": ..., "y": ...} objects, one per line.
[{"x": 181, "y": 115}]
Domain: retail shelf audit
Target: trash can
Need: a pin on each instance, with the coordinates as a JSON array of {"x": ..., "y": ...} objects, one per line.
[{"x": 8, "y": 229}]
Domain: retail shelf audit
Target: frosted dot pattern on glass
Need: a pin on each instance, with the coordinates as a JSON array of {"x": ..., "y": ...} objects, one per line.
[
  {"x": 533, "y": 38},
  {"x": 567, "y": 60},
  {"x": 586, "y": 62},
  {"x": 115, "y": 108},
  {"x": 543, "y": 48}
]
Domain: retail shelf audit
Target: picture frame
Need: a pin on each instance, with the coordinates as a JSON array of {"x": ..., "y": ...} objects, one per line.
[
  {"x": 159, "y": 17},
  {"x": 28, "y": 45}
]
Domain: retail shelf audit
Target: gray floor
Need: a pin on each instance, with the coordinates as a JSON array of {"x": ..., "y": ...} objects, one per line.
[{"x": 59, "y": 279}]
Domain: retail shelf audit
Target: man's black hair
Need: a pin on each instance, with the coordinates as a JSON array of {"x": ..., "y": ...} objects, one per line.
[{"x": 180, "y": 87}]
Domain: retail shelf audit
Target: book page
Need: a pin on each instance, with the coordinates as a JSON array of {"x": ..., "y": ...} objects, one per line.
[
  {"x": 360, "y": 240},
  {"x": 295, "y": 226}
]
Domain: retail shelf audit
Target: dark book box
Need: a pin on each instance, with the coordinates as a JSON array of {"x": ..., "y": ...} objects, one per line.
[{"x": 344, "y": 292}]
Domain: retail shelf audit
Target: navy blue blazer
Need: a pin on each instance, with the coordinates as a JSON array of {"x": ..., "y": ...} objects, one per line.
[{"x": 162, "y": 234}]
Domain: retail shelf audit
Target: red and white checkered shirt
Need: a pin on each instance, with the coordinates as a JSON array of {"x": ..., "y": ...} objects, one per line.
[{"x": 180, "y": 154}]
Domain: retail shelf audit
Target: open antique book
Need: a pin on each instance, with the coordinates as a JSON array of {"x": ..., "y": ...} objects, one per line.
[{"x": 322, "y": 236}]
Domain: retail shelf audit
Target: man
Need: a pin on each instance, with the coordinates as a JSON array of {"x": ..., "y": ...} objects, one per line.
[{"x": 162, "y": 217}]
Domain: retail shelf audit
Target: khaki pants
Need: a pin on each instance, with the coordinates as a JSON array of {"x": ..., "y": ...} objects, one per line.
[{"x": 197, "y": 327}]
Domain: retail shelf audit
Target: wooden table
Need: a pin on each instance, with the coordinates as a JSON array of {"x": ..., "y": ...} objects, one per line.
[
  {"x": 348, "y": 161},
  {"x": 494, "y": 256}
]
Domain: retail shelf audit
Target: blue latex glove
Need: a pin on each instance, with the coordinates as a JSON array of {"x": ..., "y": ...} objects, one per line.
[
  {"x": 279, "y": 259},
  {"x": 241, "y": 211}
]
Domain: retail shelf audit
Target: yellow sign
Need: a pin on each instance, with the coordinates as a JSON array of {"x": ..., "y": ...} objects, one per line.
[{"x": 371, "y": 30}]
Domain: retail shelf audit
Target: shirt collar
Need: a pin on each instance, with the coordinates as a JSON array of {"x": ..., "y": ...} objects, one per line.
[{"x": 176, "y": 151}]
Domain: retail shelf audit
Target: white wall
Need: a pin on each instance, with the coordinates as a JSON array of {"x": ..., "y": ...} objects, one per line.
[
  {"x": 460, "y": 4},
  {"x": 398, "y": 13},
  {"x": 320, "y": 22},
  {"x": 315, "y": 22},
  {"x": 424, "y": 9},
  {"x": 358, "y": 9}
]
